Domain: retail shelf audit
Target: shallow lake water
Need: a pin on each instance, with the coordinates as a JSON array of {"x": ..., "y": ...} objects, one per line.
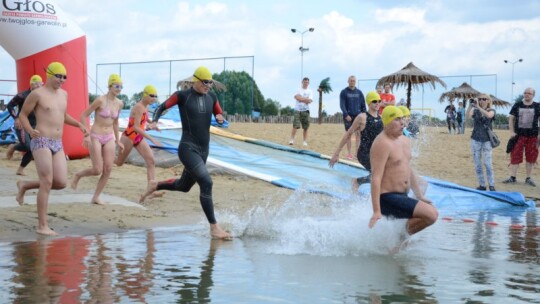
[{"x": 299, "y": 252}]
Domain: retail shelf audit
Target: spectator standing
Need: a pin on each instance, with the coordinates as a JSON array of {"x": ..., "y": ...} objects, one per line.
[
  {"x": 523, "y": 123},
  {"x": 352, "y": 103},
  {"x": 387, "y": 98},
  {"x": 482, "y": 115},
  {"x": 303, "y": 98},
  {"x": 450, "y": 111},
  {"x": 460, "y": 118}
]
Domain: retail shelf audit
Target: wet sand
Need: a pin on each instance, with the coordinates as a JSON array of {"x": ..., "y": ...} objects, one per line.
[{"x": 439, "y": 155}]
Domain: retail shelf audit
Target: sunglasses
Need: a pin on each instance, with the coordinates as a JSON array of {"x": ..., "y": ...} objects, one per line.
[
  {"x": 118, "y": 86},
  {"x": 152, "y": 95},
  {"x": 376, "y": 101},
  {"x": 482, "y": 99},
  {"x": 205, "y": 82}
]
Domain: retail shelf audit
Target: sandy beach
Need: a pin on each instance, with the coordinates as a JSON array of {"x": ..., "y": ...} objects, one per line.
[{"x": 437, "y": 154}]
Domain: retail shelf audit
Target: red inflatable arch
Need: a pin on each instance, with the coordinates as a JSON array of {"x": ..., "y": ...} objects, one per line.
[{"x": 36, "y": 33}]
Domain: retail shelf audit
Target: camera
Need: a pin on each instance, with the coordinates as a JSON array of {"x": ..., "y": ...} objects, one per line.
[{"x": 472, "y": 101}]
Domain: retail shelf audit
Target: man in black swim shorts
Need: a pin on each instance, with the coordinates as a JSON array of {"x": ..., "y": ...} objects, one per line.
[{"x": 393, "y": 177}]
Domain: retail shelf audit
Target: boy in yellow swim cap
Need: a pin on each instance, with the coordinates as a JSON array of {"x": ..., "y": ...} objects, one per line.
[{"x": 393, "y": 177}]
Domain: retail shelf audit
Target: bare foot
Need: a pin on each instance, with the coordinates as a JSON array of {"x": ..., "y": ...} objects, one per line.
[
  {"x": 20, "y": 171},
  {"x": 46, "y": 231},
  {"x": 20, "y": 194},
  {"x": 75, "y": 181},
  {"x": 97, "y": 201},
  {"x": 156, "y": 194},
  {"x": 10, "y": 151},
  {"x": 218, "y": 233},
  {"x": 152, "y": 186}
]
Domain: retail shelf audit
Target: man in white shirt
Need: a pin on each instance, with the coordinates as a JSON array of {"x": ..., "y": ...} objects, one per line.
[{"x": 303, "y": 98}]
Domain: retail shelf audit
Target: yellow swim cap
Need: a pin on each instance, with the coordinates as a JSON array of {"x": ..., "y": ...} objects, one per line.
[
  {"x": 202, "y": 73},
  {"x": 56, "y": 68},
  {"x": 390, "y": 113},
  {"x": 405, "y": 111},
  {"x": 372, "y": 96},
  {"x": 149, "y": 90},
  {"x": 114, "y": 78},
  {"x": 35, "y": 78}
]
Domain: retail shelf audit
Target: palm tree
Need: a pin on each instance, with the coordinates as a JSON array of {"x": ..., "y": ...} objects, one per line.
[{"x": 326, "y": 88}]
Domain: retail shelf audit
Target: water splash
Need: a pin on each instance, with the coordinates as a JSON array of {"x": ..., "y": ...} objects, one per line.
[{"x": 320, "y": 225}]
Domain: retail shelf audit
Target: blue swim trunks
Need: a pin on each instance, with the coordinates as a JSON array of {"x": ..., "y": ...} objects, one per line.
[{"x": 397, "y": 205}]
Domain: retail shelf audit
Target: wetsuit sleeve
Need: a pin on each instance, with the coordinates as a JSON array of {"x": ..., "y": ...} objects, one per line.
[
  {"x": 217, "y": 108},
  {"x": 17, "y": 101},
  {"x": 173, "y": 100}
]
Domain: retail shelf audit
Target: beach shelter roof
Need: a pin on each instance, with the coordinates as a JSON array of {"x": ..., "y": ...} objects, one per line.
[
  {"x": 464, "y": 91},
  {"x": 499, "y": 102},
  {"x": 410, "y": 76},
  {"x": 188, "y": 82}
]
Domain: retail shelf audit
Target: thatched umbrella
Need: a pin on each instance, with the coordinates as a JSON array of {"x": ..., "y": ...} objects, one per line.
[
  {"x": 464, "y": 92},
  {"x": 499, "y": 102},
  {"x": 410, "y": 76},
  {"x": 188, "y": 83}
]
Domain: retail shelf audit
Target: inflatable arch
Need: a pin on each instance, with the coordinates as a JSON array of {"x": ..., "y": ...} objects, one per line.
[{"x": 36, "y": 33}]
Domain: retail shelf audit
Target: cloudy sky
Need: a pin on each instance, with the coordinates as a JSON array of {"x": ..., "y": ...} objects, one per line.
[{"x": 368, "y": 39}]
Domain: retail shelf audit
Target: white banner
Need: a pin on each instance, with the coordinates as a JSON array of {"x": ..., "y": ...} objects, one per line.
[{"x": 28, "y": 27}]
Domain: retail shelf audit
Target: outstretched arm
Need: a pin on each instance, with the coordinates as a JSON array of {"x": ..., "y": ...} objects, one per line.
[
  {"x": 173, "y": 100},
  {"x": 358, "y": 125}
]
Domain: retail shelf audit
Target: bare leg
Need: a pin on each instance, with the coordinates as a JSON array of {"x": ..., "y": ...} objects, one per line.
[
  {"x": 52, "y": 172},
  {"x": 10, "y": 151},
  {"x": 152, "y": 186},
  {"x": 106, "y": 160},
  {"x": 293, "y": 135},
  {"x": 20, "y": 171},
  {"x": 146, "y": 152},
  {"x": 218, "y": 233},
  {"x": 23, "y": 186},
  {"x": 97, "y": 164},
  {"x": 513, "y": 169},
  {"x": 424, "y": 215},
  {"x": 528, "y": 168},
  {"x": 123, "y": 155}
]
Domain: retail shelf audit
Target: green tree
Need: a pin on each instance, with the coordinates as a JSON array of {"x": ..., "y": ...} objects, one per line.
[
  {"x": 124, "y": 98},
  {"x": 242, "y": 94},
  {"x": 133, "y": 100},
  {"x": 271, "y": 107},
  {"x": 287, "y": 111},
  {"x": 92, "y": 97},
  {"x": 500, "y": 119},
  {"x": 324, "y": 87}
]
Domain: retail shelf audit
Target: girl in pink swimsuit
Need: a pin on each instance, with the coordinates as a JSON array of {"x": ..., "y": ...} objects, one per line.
[{"x": 104, "y": 136}]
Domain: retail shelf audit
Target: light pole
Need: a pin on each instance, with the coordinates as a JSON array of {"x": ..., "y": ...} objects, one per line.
[
  {"x": 513, "y": 63},
  {"x": 302, "y": 49}
]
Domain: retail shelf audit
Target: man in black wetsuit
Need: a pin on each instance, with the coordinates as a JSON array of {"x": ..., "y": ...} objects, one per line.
[
  {"x": 196, "y": 106},
  {"x": 14, "y": 107}
]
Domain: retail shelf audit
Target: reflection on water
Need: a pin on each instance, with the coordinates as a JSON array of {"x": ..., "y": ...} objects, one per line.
[{"x": 450, "y": 262}]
